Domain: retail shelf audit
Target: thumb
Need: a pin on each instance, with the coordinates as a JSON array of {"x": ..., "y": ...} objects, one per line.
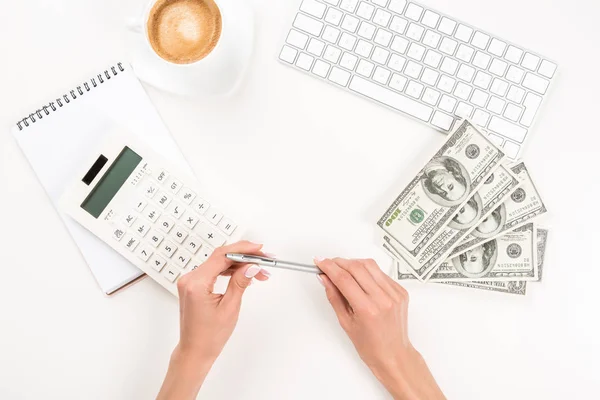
[
  {"x": 335, "y": 297},
  {"x": 240, "y": 280}
]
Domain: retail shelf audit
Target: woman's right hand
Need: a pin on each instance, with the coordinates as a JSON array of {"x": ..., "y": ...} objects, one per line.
[{"x": 373, "y": 310}]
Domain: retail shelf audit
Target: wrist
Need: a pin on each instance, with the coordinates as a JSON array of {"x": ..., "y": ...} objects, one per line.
[{"x": 185, "y": 375}]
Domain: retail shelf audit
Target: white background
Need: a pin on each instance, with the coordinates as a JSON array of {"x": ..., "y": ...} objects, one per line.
[{"x": 305, "y": 164}]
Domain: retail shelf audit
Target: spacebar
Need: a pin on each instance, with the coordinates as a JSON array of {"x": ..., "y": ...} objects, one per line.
[{"x": 390, "y": 98}]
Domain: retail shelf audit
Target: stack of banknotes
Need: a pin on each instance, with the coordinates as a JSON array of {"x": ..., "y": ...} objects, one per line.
[{"x": 468, "y": 218}]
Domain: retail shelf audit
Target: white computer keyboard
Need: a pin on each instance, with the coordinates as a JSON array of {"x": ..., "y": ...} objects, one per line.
[
  {"x": 146, "y": 209},
  {"x": 425, "y": 64}
]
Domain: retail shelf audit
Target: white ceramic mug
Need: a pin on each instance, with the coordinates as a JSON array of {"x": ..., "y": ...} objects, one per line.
[{"x": 219, "y": 72}]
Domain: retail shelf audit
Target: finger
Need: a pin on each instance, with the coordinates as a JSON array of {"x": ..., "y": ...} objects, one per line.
[
  {"x": 218, "y": 263},
  {"x": 238, "y": 283},
  {"x": 362, "y": 276},
  {"x": 354, "y": 294},
  {"x": 263, "y": 275},
  {"x": 336, "y": 299},
  {"x": 382, "y": 279}
]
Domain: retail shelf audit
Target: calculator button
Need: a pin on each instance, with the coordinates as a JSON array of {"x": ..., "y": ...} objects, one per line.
[
  {"x": 141, "y": 227},
  {"x": 171, "y": 273},
  {"x": 210, "y": 235},
  {"x": 150, "y": 189},
  {"x": 140, "y": 205},
  {"x": 165, "y": 223},
  {"x": 161, "y": 176},
  {"x": 164, "y": 199},
  {"x": 168, "y": 248},
  {"x": 179, "y": 234},
  {"x": 193, "y": 244},
  {"x": 129, "y": 219},
  {"x": 131, "y": 242},
  {"x": 174, "y": 185},
  {"x": 152, "y": 214},
  {"x": 175, "y": 209},
  {"x": 155, "y": 238},
  {"x": 157, "y": 262},
  {"x": 190, "y": 220},
  {"x": 203, "y": 255},
  {"x": 144, "y": 252},
  {"x": 118, "y": 233},
  {"x": 214, "y": 216},
  {"x": 227, "y": 226},
  {"x": 200, "y": 206},
  {"x": 182, "y": 258},
  {"x": 187, "y": 195}
]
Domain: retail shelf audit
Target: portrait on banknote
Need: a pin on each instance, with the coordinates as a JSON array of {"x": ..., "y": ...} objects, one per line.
[
  {"x": 492, "y": 224},
  {"x": 469, "y": 214},
  {"x": 477, "y": 262},
  {"x": 446, "y": 181}
]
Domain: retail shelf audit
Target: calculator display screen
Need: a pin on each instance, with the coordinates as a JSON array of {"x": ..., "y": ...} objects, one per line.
[{"x": 114, "y": 178}]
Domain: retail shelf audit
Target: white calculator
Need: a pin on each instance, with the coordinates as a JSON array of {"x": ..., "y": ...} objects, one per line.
[{"x": 151, "y": 213}]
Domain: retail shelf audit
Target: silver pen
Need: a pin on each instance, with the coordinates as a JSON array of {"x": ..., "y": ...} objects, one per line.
[{"x": 271, "y": 262}]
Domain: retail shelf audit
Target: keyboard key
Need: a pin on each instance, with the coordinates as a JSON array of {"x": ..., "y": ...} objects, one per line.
[
  {"x": 190, "y": 220},
  {"x": 332, "y": 54},
  {"x": 321, "y": 68},
  {"x": 463, "y": 33},
  {"x": 481, "y": 118},
  {"x": 433, "y": 58},
  {"x": 397, "y": 63},
  {"x": 182, "y": 258},
  {"x": 129, "y": 219},
  {"x": 415, "y": 32},
  {"x": 446, "y": 84},
  {"x": 165, "y": 223},
  {"x": 193, "y": 244},
  {"x": 130, "y": 242},
  {"x": 466, "y": 73},
  {"x": 367, "y": 30},
  {"x": 447, "y": 26},
  {"x": 288, "y": 54},
  {"x": 449, "y": 66},
  {"x": 380, "y": 3},
  {"x": 305, "y": 61},
  {"x": 203, "y": 255},
  {"x": 334, "y": 16},
  {"x": 151, "y": 189},
  {"x": 164, "y": 199},
  {"x": 297, "y": 39},
  {"x": 511, "y": 149},
  {"x": 507, "y": 129},
  {"x": 547, "y": 69},
  {"x": 430, "y": 76},
  {"x": 382, "y": 18},
  {"x": 175, "y": 209},
  {"x": 214, "y": 216},
  {"x": 200, "y": 205},
  {"x": 210, "y": 235},
  {"x": 443, "y": 121},
  {"x": 498, "y": 67},
  {"x": 398, "y": 82},
  {"x": 530, "y": 61},
  {"x": 381, "y": 75},
  {"x": 480, "y": 40},
  {"x": 118, "y": 233},
  {"x": 179, "y": 234},
  {"x": 496, "y": 105},
  {"x": 365, "y": 10},
  {"x": 413, "y": 69},
  {"x": 348, "y": 61},
  {"x": 431, "y": 96},
  {"x": 416, "y": 51},
  {"x": 513, "y": 112},
  {"x": 515, "y": 94},
  {"x": 227, "y": 226},
  {"x": 414, "y": 89},
  {"x": 497, "y": 140},
  {"x": 397, "y": 6},
  {"x": 535, "y": 83},
  {"x": 152, "y": 213},
  {"x": 400, "y": 44},
  {"x": 170, "y": 273},
  {"x": 430, "y": 19},
  {"x": 481, "y": 60},
  {"x": 168, "y": 248},
  {"x": 161, "y": 176},
  {"x": 141, "y": 227},
  {"x": 155, "y": 238},
  {"x": 479, "y": 98},
  {"x": 174, "y": 185},
  {"x": 482, "y": 80},
  {"x": 464, "y": 110},
  {"x": 532, "y": 103},
  {"x": 515, "y": 74},
  {"x": 390, "y": 98},
  {"x": 499, "y": 87},
  {"x": 447, "y": 103},
  {"x": 350, "y": 23},
  {"x": 363, "y": 48},
  {"x": 432, "y": 39},
  {"x": 308, "y": 24},
  {"x": 463, "y": 91},
  {"x": 413, "y": 12},
  {"x": 347, "y": 41},
  {"x": 497, "y": 47},
  {"x": 465, "y": 53},
  {"x": 448, "y": 46},
  {"x": 187, "y": 195},
  {"x": 383, "y": 37},
  {"x": 144, "y": 252},
  {"x": 140, "y": 205},
  {"x": 331, "y": 34},
  {"x": 157, "y": 262},
  {"x": 339, "y": 76},
  {"x": 313, "y": 8},
  {"x": 349, "y": 5},
  {"x": 315, "y": 47},
  {"x": 513, "y": 54},
  {"x": 398, "y": 24}
]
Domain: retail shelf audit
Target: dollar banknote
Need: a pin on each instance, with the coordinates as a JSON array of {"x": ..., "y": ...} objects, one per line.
[
  {"x": 436, "y": 195},
  {"x": 495, "y": 190},
  {"x": 522, "y": 206}
]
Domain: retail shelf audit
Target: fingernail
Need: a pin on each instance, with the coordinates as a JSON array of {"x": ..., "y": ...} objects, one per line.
[
  {"x": 318, "y": 259},
  {"x": 265, "y": 273},
  {"x": 320, "y": 279},
  {"x": 271, "y": 255},
  {"x": 251, "y": 271}
]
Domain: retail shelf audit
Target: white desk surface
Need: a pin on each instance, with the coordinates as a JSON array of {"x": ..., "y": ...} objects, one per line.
[{"x": 321, "y": 160}]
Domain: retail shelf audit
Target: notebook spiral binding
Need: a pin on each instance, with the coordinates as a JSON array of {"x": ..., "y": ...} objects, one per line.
[{"x": 72, "y": 95}]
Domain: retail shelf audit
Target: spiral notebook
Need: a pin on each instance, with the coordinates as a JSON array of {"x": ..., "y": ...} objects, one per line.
[{"x": 54, "y": 138}]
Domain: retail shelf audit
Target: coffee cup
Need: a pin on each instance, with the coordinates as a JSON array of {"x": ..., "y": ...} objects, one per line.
[{"x": 193, "y": 47}]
